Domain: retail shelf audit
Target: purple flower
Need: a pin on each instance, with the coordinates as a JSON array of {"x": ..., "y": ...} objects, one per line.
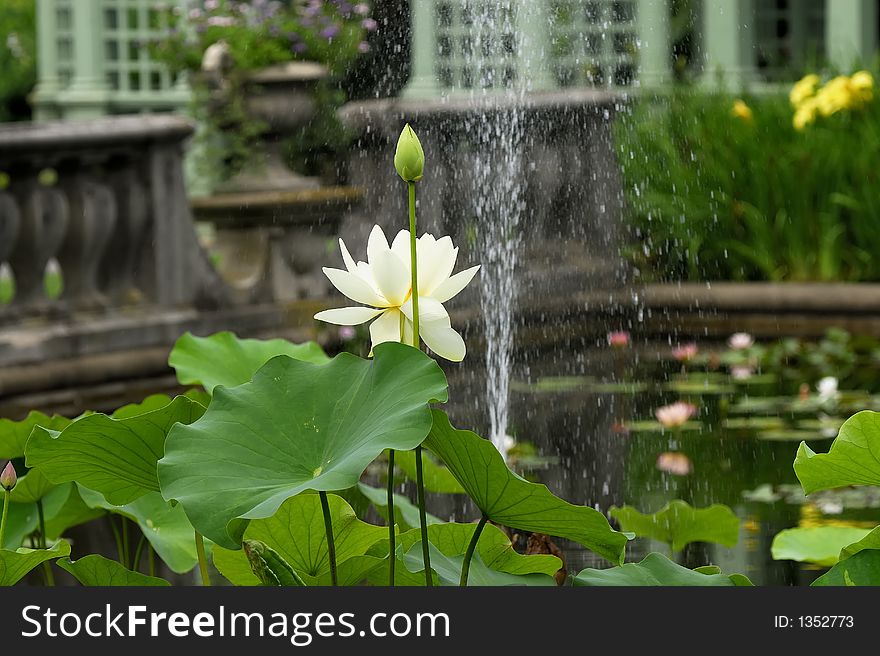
[
  {"x": 195, "y": 14},
  {"x": 361, "y": 9},
  {"x": 330, "y": 31},
  {"x": 211, "y": 5},
  {"x": 369, "y": 24},
  {"x": 363, "y": 47}
]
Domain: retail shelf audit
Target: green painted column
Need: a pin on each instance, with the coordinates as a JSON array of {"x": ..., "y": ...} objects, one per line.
[
  {"x": 729, "y": 42},
  {"x": 533, "y": 26},
  {"x": 655, "y": 42},
  {"x": 423, "y": 78},
  {"x": 850, "y": 33},
  {"x": 88, "y": 94},
  {"x": 48, "y": 83}
]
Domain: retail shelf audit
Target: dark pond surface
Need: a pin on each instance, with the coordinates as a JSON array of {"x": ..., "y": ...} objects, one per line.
[{"x": 585, "y": 426}]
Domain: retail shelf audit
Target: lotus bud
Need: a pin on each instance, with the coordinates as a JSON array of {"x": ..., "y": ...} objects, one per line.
[
  {"x": 409, "y": 158},
  {"x": 8, "y": 478}
]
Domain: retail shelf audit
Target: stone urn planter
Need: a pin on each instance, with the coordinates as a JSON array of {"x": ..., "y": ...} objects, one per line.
[{"x": 281, "y": 97}]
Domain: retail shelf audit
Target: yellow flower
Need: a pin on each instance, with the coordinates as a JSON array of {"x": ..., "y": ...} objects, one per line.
[
  {"x": 803, "y": 89},
  {"x": 835, "y": 96},
  {"x": 805, "y": 114},
  {"x": 742, "y": 111},
  {"x": 862, "y": 84}
]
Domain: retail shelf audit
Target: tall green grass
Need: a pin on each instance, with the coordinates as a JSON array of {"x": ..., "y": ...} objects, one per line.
[{"x": 711, "y": 196}]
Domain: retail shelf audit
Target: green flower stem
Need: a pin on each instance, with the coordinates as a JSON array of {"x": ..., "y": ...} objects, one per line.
[
  {"x": 420, "y": 484},
  {"x": 331, "y": 545},
  {"x": 125, "y": 549},
  {"x": 47, "y": 566},
  {"x": 136, "y": 563},
  {"x": 391, "y": 522},
  {"x": 414, "y": 261},
  {"x": 5, "y": 515},
  {"x": 423, "y": 521},
  {"x": 117, "y": 538},
  {"x": 151, "y": 559},
  {"x": 203, "y": 561},
  {"x": 472, "y": 545}
]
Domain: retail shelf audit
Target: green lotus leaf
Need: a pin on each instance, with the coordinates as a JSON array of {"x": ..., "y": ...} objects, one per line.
[
  {"x": 224, "y": 359},
  {"x": 821, "y": 545},
  {"x": 15, "y": 565},
  {"x": 656, "y": 570},
  {"x": 853, "y": 459},
  {"x": 870, "y": 541},
  {"x": 22, "y": 520},
  {"x": 510, "y": 500},
  {"x": 166, "y": 527},
  {"x": 95, "y": 570},
  {"x": 297, "y": 534},
  {"x": 448, "y": 570},
  {"x": 494, "y": 548},
  {"x": 860, "y": 569},
  {"x": 678, "y": 524},
  {"x": 435, "y": 477},
  {"x": 74, "y": 512},
  {"x": 406, "y": 513},
  {"x": 297, "y": 426},
  {"x": 116, "y": 457},
  {"x": 14, "y": 434}
]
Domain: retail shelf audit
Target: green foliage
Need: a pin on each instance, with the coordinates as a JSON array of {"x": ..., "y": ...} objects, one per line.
[
  {"x": 116, "y": 457},
  {"x": 297, "y": 426},
  {"x": 17, "y": 58},
  {"x": 821, "y": 545},
  {"x": 297, "y": 536},
  {"x": 15, "y": 565},
  {"x": 95, "y": 570},
  {"x": 224, "y": 359},
  {"x": 678, "y": 524},
  {"x": 508, "y": 499},
  {"x": 861, "y": 569},
  {"x": 852, "y": 459},
  {"x": 712, "y": 196},
  {"x": 656, "y": 569},
  {"x": 268, "y": 566}
]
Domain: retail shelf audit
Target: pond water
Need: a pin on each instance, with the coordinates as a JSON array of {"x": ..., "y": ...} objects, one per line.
[{"x": 585, "y": 426}]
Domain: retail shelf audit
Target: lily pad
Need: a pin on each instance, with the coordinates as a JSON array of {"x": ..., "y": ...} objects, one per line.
[
  {"x": 225, "y": 359},
  {"x": 15, "y": 565},
  {"x": 678, "y": 524},
  {"x": 816, "y": 544},
  {"x": 853, "y": 459},
  {"x": 510, "y": 500},
  {"x": 297, "y": 426},
  {"x": 95, "y": 570},
  {"x": 297, "y": 534},
  {"x": 656, "y": 570},
  {"x": 116, "y": 457}
]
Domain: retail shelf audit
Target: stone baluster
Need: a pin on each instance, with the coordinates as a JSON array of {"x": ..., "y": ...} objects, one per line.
[
  {"x": 123, "y": 264},
  {"x": 44, "y": 218},
  {"x": 93, "y": 216}
]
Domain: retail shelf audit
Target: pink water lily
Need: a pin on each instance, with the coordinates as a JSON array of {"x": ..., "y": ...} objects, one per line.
[
  {"x": 675, "y": 414},
  {"x": 382, "y": 283}
]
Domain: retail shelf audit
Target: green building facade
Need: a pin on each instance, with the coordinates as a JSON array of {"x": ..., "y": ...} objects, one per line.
[{"x": 92, "y": 60}]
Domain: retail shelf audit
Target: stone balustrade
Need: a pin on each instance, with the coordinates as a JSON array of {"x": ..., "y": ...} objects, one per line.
[{"x": 106, "y": 200}]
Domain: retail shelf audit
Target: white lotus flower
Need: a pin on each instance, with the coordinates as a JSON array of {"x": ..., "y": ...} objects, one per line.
[
  {"x": 383, "y": 284},
  {"x": 827, "y": 388}
]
